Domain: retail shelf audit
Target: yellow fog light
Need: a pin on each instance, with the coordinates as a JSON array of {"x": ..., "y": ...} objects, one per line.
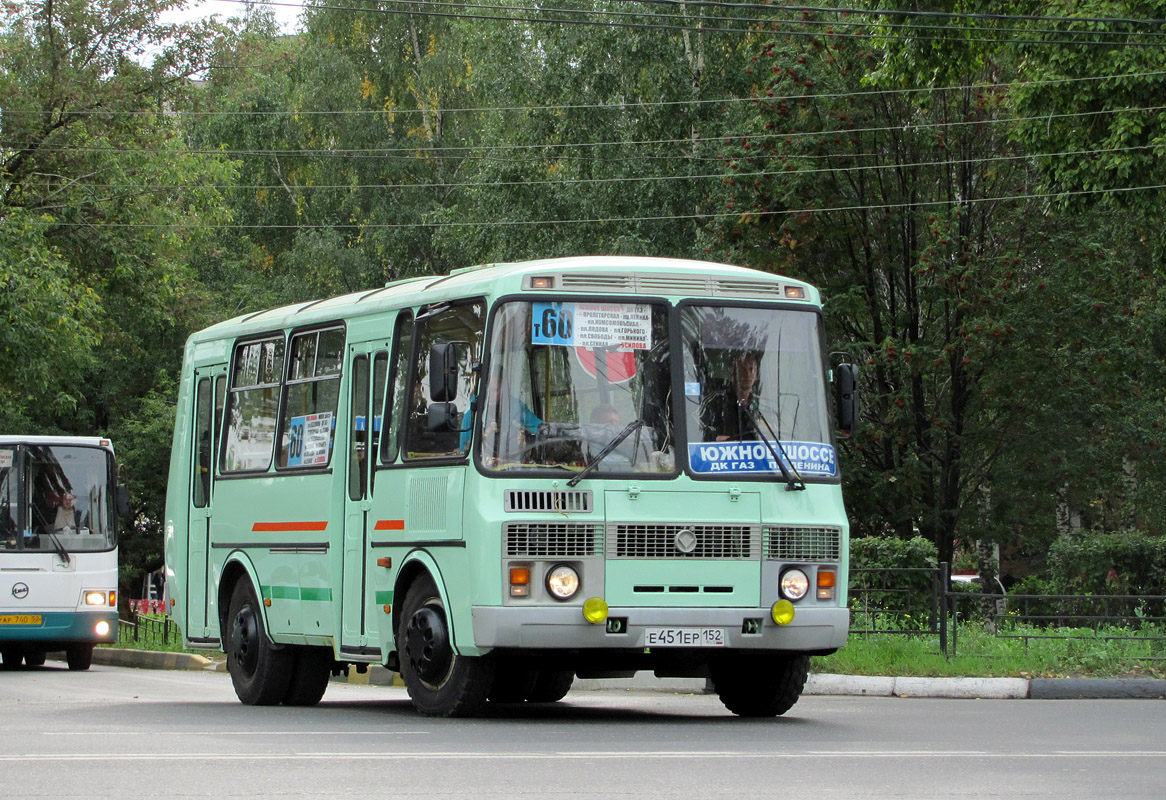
[
  {"x": 595, "y": 610},
  {"x": 782, "y": 612}
]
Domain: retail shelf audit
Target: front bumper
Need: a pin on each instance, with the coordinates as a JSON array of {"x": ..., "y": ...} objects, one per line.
[
  {"x": 563, "y": 627},
  {"x": 62, "y": 626}
]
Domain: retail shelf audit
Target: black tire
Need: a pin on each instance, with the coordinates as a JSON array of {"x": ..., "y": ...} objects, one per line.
[
  {"x": 311, "y": 670},
  {"x": 551, "y": 686},
  {"x": 513, "y": 683},
  {"x": 79, "y": 656},
  {"x": 13, "y": 657},
  {"x": 440, "y": 682},
  {"x": 760, "y": 686},
  {"x": 260, "y": 673},
  {"x": 34, "y": 658}
]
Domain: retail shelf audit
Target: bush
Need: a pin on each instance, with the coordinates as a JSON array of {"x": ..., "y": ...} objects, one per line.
[
  {"x": 907, "y": 595},
  {"x": 1108, "y": 563}
]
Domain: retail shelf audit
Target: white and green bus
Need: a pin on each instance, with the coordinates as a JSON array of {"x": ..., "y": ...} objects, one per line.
[
  {"x": 500, "y": 479},
  {"x": 59, "y": 507}
]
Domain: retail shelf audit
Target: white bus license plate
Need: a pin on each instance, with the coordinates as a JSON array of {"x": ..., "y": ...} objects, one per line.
[{"x": 684, "y": 637}]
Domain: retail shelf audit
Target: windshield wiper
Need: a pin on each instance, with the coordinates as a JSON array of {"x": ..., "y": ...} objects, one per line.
[
  {"x": 60, "y": 548},
  {"x": 793, "y": 481},
  {"x": 634, "y": 425}
]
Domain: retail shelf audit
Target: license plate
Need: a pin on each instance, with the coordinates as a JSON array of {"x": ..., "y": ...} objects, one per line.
[
  {"x": 20, "y": 619},
  {"x": 684, "y": 637}
]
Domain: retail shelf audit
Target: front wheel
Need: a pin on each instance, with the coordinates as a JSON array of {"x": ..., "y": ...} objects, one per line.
[
  {"x": 760, "y": 686},
  {"x": 440, "y": 682},
  {"x": 551, "y": 686},
  {"x": 13, "y": 657},
  {"x": 79, "y": 656},
  {"x": 260, "y": 673},
  {"x": 34, "y": 658}
]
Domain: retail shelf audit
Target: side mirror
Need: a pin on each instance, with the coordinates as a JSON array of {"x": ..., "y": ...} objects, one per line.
[
  {"x": 443, "y": 371},
  {"x": 442, "y": 418},
  {"x": 846, "y": 394},
  {"x": 122, "y": 502}
]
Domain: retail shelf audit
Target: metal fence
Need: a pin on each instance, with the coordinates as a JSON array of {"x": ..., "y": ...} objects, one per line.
[
  {"x": 148, "y": 631},
  {"x": 925, "y": 602}
]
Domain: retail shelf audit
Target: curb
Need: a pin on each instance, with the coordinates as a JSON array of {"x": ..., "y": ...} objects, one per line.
[{"x": 816, "y": 684}]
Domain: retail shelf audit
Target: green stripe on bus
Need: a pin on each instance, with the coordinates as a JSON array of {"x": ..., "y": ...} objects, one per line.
[
  {"x": 384, "y": 598},
  {"x": 308, "y": 593},
  {"x": 281, "y": 592}
]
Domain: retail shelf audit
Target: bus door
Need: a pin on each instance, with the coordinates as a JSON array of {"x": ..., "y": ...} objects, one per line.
[
  {"x": 420, "y": 501},
  {"x": 368, "y": 365},
  {"x": 209, "y": 389}
]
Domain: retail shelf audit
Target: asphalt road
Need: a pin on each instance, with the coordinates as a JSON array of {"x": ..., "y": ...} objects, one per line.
[{"x": 116, "y": 732}]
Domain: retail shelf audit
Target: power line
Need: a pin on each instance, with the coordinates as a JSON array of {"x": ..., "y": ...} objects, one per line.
[
  {"x": 602, "y": 220},
  {"x": 785, "y": 173},
  {"x": 413, "y": 10},
  {"x": 625, "y": 106},
  {"x": 379, "y": 152}
]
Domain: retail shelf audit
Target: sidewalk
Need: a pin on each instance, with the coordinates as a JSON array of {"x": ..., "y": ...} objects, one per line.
[{"x": 852, "y": 685}]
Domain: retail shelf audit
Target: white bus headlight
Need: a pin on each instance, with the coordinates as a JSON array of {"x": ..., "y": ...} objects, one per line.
[
  {"x": 794, "y": 584},
  {"x": 562, "y": 582}
]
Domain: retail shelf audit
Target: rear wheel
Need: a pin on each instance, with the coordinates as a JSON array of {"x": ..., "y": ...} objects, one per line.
[
  {"x": 551, "y": 686},
  {"x": 440, "y": 682},
  {"x": 513, "y": 683},
  {"x": 310, "y": 674},
  {"x": 13, "y": 657},
  {"x": 261, "y": 673},
  {"x": 760, "y": 686},
  {"x": 79, "y": 656},
  {"x": 34, "y": 658}
]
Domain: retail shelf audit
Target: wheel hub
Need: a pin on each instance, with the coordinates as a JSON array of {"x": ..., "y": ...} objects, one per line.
[
  {"x": 243, "y": 639},
  {"x": 427, "y": 645}
]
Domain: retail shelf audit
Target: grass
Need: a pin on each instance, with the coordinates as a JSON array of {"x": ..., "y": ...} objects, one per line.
[
  {"x": 978, "y": 653},
  {"x": 1073, "y": 653}
]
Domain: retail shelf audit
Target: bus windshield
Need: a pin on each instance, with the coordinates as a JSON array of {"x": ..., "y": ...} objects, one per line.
[
  {"x": 751, "y": 376},
  {"x": 568, "y": 380},
  {"x": 56, "y": 498}
]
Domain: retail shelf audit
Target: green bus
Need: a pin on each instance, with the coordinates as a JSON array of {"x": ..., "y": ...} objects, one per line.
[{"x": 499, "y": 479}]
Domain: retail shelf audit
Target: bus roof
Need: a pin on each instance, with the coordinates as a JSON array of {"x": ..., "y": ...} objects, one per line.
[
  {"x": 84, "y": 441},
  {"x": 595, "y": 275}
]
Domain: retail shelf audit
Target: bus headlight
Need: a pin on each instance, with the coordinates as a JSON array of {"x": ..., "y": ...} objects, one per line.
[
  {"x": 99, "y": 598},
  {"x": 794, "y": 584},
  {"x": 562, "y": 582},
  {"x": 101, "y": 628}
]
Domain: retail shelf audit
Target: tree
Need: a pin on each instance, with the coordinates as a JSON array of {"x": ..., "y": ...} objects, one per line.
[{"x": 98, "y": 199}]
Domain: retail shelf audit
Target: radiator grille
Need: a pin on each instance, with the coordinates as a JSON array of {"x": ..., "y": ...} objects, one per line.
[
  {"x": 633, "y": 540},
  {"x": 578, "y": 501},
  {"x": 789, "y": 543},
  {"x": 552, "y": 539}
]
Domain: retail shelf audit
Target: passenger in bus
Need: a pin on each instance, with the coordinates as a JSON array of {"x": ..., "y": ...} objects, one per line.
[
  {"x": 68, "y": 518},
  {"x": 604, "y": 414},
  {"x": 728, "y": 416}
]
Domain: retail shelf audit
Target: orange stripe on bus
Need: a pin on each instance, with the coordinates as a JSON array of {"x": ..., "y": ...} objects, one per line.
[
  {"x": 284, "y": 527},
  {"x": 390, "y": 525}
]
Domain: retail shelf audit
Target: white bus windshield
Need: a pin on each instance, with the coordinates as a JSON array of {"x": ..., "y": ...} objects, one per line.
[
  {"x": 56, "y": 497},
  {"x": 752, "y": 376},
  {"x": 566, "y": 379}
]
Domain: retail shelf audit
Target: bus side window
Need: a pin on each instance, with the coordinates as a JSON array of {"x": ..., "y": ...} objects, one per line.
[
  {"x": 358, "y": 445},
  {"x": 253, "y": 401},
  {"x": 307, "y": 427},
  {"x": 380, "y": 369},
  {"x": 398, "y": 380},
  {"x": 202, "y": 443},
  {"x": 428, "y": 434}
]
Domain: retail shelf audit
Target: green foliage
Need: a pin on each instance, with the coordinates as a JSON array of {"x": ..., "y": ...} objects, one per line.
[
  {"x": 1124, "y": 563},
  {"x": 881, "y": 552}
]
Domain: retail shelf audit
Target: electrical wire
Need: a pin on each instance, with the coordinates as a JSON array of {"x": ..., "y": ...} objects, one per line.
[{"x": 598, "y": 220}]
